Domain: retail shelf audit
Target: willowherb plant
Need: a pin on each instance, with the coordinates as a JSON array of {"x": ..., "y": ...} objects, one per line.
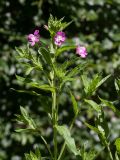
[{"x": 45, "y": 60}]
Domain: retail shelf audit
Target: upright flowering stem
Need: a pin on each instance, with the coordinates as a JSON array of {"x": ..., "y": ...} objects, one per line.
[
  {"x": 54, "y": 115},
  {"x": 109, "y": 152},
  {"x": 54, "y": 112}
]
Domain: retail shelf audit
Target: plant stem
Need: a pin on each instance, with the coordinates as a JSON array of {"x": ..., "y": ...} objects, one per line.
[
  {"x": 47, "y": 146},
  {"x": 54, "y": 128},
  {"x": 54, "y": 117},
  {"x": 109, "y": 151}
]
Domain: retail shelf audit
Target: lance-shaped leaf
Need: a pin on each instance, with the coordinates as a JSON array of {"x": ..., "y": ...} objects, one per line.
[
  {"x": 38, "y": 154},
  {"x": 44, "y": 87},
  {"x": 60, "y": 73},
  {"x": 29, "y": 60},
  {"x": 24, "y": 130},
  {"x": 33, "y": 84},
  {"x": 101, "y": 127},
  {"x": 70, "y": 142},
  {"x": 110, "y": 105},
  {"x": 102, "y": 124},
  {"x": 66, "y": 79},
  {"x": 74, "y": 103},
  {"x": 24, "y": 80},
  {"x": 63, "y": 49},
  {"x": 117, "y": 144},
  {"x": 69, "y": 62},
  {"x": 116, "y": 156},
  {"x": 33, "y": 156},
  {"x": 29, "y": 70},
  {"x": 28, "y": 92},
  {"x": 95, "y": 129},
  {"x": 76, "y": 70},
  {"x": 103, "y": 80},
  {"x": 93, "y": 104},
  {"x": 99, "y": 130},
  {"x": 25, "y": 119},
  {"x": 46, "y": 55},
  {"x": 92, "y": 85},
  {"x": 85, "y": 155},
  {"x": 23, "y": 53},
  {"x": 117, "y": 85}
]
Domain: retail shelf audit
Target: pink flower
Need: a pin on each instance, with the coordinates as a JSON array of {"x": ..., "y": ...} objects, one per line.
[
  {"x": 59, "y": 38},
  {"x": 81, "y": 51},
  {"x": 34, "y": 38}
]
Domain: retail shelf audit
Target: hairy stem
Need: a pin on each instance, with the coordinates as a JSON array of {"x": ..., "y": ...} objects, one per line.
[
  {"x": 54, "y": 116},
  {"x": 47, "y": 146},
  {"x": 109, "y": 151},
  {"x": 54, "y": 128}
]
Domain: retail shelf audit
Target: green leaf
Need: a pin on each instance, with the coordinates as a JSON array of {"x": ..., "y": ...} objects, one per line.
[
  {"x": 27, "y": 156},
  {"x": 92, "y": 128},
  {"x": 65, "y": 25},
  {"x": 60, "y": 73},
  {"x": 28, "y": 92},
  {"x": 75, "y": 105},
  {"x": 117, "y": 85},
  {"x": 44, "y": 87},
  {"x": 77, "y": 69},
  {"x": 66, "y": 79},
  {"x": 31, "y": 83},
  {"x": 110, "y": 105},
  {"x": 23, "y": 112},
  {"x": 46, "y": 55},
  {"x": 24, "y": 80},
  {"x": 117, "y": 144},
  {"x": 91, "y": 155},
  {"x": 26, "y": 119},
  {"x": 55, "y": 25},
  {"x": 38, "y": 154},
  {"x": 24, "y": 53},
  {"x": 20, "y": 51},
  {"x": 69, "y": 62},
  {"x": 100, "y": 131},
  {"x": 85, "y": 82},
  {"x": 94, "y": 105},
  {"x": 33, "y": 156},
  {"x": 92, "y": 85},
  {"x": 24, "y": 130},
  {"x": 116, "y": 156},
  {"x": 63, "y": 49},
  {"x": 102, "y": 124},
  {"x": 36, "y": 63},
  {"x": 29, "y": 70},
  {"x": 29, "y": 60},
  {"x": 103, "y": 80},
  {"x": 65, "y": 133}
]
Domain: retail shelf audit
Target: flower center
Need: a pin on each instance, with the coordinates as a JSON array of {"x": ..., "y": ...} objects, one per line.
[
  {"x": 33, "y": 38},
  {"x": 59, "y": 38}
]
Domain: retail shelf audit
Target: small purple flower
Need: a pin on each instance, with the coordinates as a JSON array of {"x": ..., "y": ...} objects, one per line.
[
  {"x": 59, "y": 38},
  {"x": 81, "y": 51},
  {"x": 34, "y": 38}
]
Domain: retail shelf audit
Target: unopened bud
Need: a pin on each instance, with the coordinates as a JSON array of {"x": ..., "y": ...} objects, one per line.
[{"x": 46, "y": 27}]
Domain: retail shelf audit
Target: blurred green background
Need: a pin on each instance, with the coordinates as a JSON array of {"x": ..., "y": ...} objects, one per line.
[{"x": 96, "y": 23}]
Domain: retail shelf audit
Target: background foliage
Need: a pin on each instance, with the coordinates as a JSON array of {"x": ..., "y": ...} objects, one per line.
[{"x": 96, "y": 24}]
